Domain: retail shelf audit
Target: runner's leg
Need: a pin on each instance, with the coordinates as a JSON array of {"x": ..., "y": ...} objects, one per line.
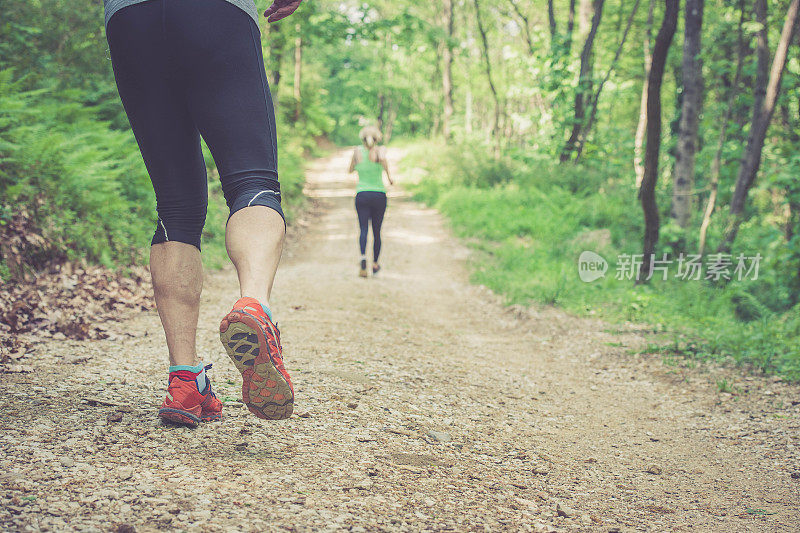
[
  {"x": 153, "y": 97},
  {"x": 378, "y": 210},
  {"x": 229, "y": 99},
  {"x": 363, "y": 212}
]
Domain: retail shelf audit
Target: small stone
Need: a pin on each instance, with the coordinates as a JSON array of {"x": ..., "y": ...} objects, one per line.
[
  {"x": 541, "y": 470},
  {"x": 440, "y": 436},
  {"x": 114, "y": 417},
  {"x": 364, "y": 485},
  {"x": 125, "y": 473},
  {"x": 352, "y": 405},
  {"x": 67, "y": 462},
  {"x": 563, "y": 510},
  {"x": 108, "y": 494},
  {"x": 305, "y": 414},
  {"x": 654, "y": 469}
]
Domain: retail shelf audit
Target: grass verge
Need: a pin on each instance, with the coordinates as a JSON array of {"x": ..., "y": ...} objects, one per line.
[{"x": 529, "y": 221}]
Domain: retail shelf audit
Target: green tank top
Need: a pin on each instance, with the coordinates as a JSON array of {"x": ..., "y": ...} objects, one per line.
[{"x": 370, "y": 174}]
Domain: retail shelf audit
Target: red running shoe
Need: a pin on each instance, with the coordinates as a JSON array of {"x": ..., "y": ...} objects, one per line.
[
  {"x": 253, "y": 343},
  {"x": 186, "y": 405}
]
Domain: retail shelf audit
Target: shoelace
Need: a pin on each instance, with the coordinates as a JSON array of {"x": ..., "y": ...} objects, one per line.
[
  {"x": 266, "y": 320},
  {"x": 210, "y": 390}
]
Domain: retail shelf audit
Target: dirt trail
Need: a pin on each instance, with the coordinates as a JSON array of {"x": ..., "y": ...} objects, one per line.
[{"x": 421, "y": 404}]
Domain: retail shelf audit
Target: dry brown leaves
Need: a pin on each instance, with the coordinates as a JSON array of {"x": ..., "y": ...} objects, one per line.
[
  {"x": 23, "y": 247},
  {"x": 68, "y": 302}
]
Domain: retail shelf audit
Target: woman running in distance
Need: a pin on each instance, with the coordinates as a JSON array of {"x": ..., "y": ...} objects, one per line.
[
  {"x": 186, "y": 69},
  {"x": 369, "y": 160}
]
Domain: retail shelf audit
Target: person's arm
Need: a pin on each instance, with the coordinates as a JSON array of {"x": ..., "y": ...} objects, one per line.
[
  {"x": 385, "y": 165},
  {"x": 353, "y": 162}
]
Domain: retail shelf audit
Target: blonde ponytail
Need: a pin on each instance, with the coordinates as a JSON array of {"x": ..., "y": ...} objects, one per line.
[{"x": 371, "y": 136}]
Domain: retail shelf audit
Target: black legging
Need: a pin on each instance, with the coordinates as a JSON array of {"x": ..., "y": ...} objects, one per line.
[
  {"x": 370, "y": 205},
  {"x": 186, "y": 68}
]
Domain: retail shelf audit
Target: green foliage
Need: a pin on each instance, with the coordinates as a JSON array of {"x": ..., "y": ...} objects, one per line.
[
  {"x": 84, "y": 182},
  {"x": 67, "y": 155},
  {"x": 529, "y": 231}
]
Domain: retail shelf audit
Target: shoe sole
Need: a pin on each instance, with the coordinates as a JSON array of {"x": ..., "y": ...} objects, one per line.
[
  {"x": 177, "y": 416},
  {"x": 265, "y": 391},
  {"x": 363, "y": 273}
]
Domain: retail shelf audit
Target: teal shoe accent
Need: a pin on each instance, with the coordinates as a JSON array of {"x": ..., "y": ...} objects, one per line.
[
  {"x": 196, "y": 369},
  {"x": 201, "y": 380},
  {"x": 267, "y": 311}
]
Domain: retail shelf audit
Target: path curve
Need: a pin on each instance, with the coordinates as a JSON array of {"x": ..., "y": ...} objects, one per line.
[{"x": 422, "y": 403}]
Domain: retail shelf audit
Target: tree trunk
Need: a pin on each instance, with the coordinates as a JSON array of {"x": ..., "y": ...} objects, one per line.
[
  {"x": 647, "y": 192},
  {"x": 551, "y": 19},
  {"x": 638, "y": 141},
  {"x": 298, "y": 69},
  {"x": 716, "y": 164},
  {"x": 584, "y": 82},
  {"x": 692, "y": 103},
  {"x": 593, "y": 100},
  {"x": 526, "y": 24},
  {"x": 758, "y": 131},
  {"x": 381, "y": 110},
  {"x": 488, "y": 66},
  {"x": 447, "y": 70},
  {"x": 276, "y": 51},
  {"x": 389, "y": 123},
  {"x": 570, "y": 28}
]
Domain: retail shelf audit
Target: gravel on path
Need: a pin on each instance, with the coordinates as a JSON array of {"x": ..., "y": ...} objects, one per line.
[{"x": 422, "y": 404}]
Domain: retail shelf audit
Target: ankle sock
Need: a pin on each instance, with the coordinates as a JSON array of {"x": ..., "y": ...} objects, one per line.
[
  {"x": 266, "y": 308},
  {"x": 189, "y": 373}
]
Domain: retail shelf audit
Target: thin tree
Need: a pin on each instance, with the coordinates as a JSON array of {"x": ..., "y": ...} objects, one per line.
[
  {"x": 570, "y": 27},
  {"x": 584, "y": 133},
  {"x": 716, "y": 163},
  {"x": 692, "y": 103},
  {"x": 584, "y": 83},
  {"x": 298, "y": 69},
  {"x": 526, "y": 24},
  {"x": 758, "y": 131},
  {"x": 638, "y": 141},
  {"x": 647, "y": 192},
  {"x": 447, "y": 68},
  {"x": 276, "y": 43},
  {"x": 488, "y": 66}
]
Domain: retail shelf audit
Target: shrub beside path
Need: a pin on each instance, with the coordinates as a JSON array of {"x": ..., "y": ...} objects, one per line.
[{"x": 422, "y": 403}]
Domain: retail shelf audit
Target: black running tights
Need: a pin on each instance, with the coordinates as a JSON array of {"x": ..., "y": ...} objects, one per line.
[{"x": 370, "y": 206}]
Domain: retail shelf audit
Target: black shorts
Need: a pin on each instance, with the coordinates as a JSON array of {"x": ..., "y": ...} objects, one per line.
[{"x": 186, "y": 68}]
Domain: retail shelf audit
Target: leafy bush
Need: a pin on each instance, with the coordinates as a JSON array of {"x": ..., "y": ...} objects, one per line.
[{"x": 83, "y": 182}]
